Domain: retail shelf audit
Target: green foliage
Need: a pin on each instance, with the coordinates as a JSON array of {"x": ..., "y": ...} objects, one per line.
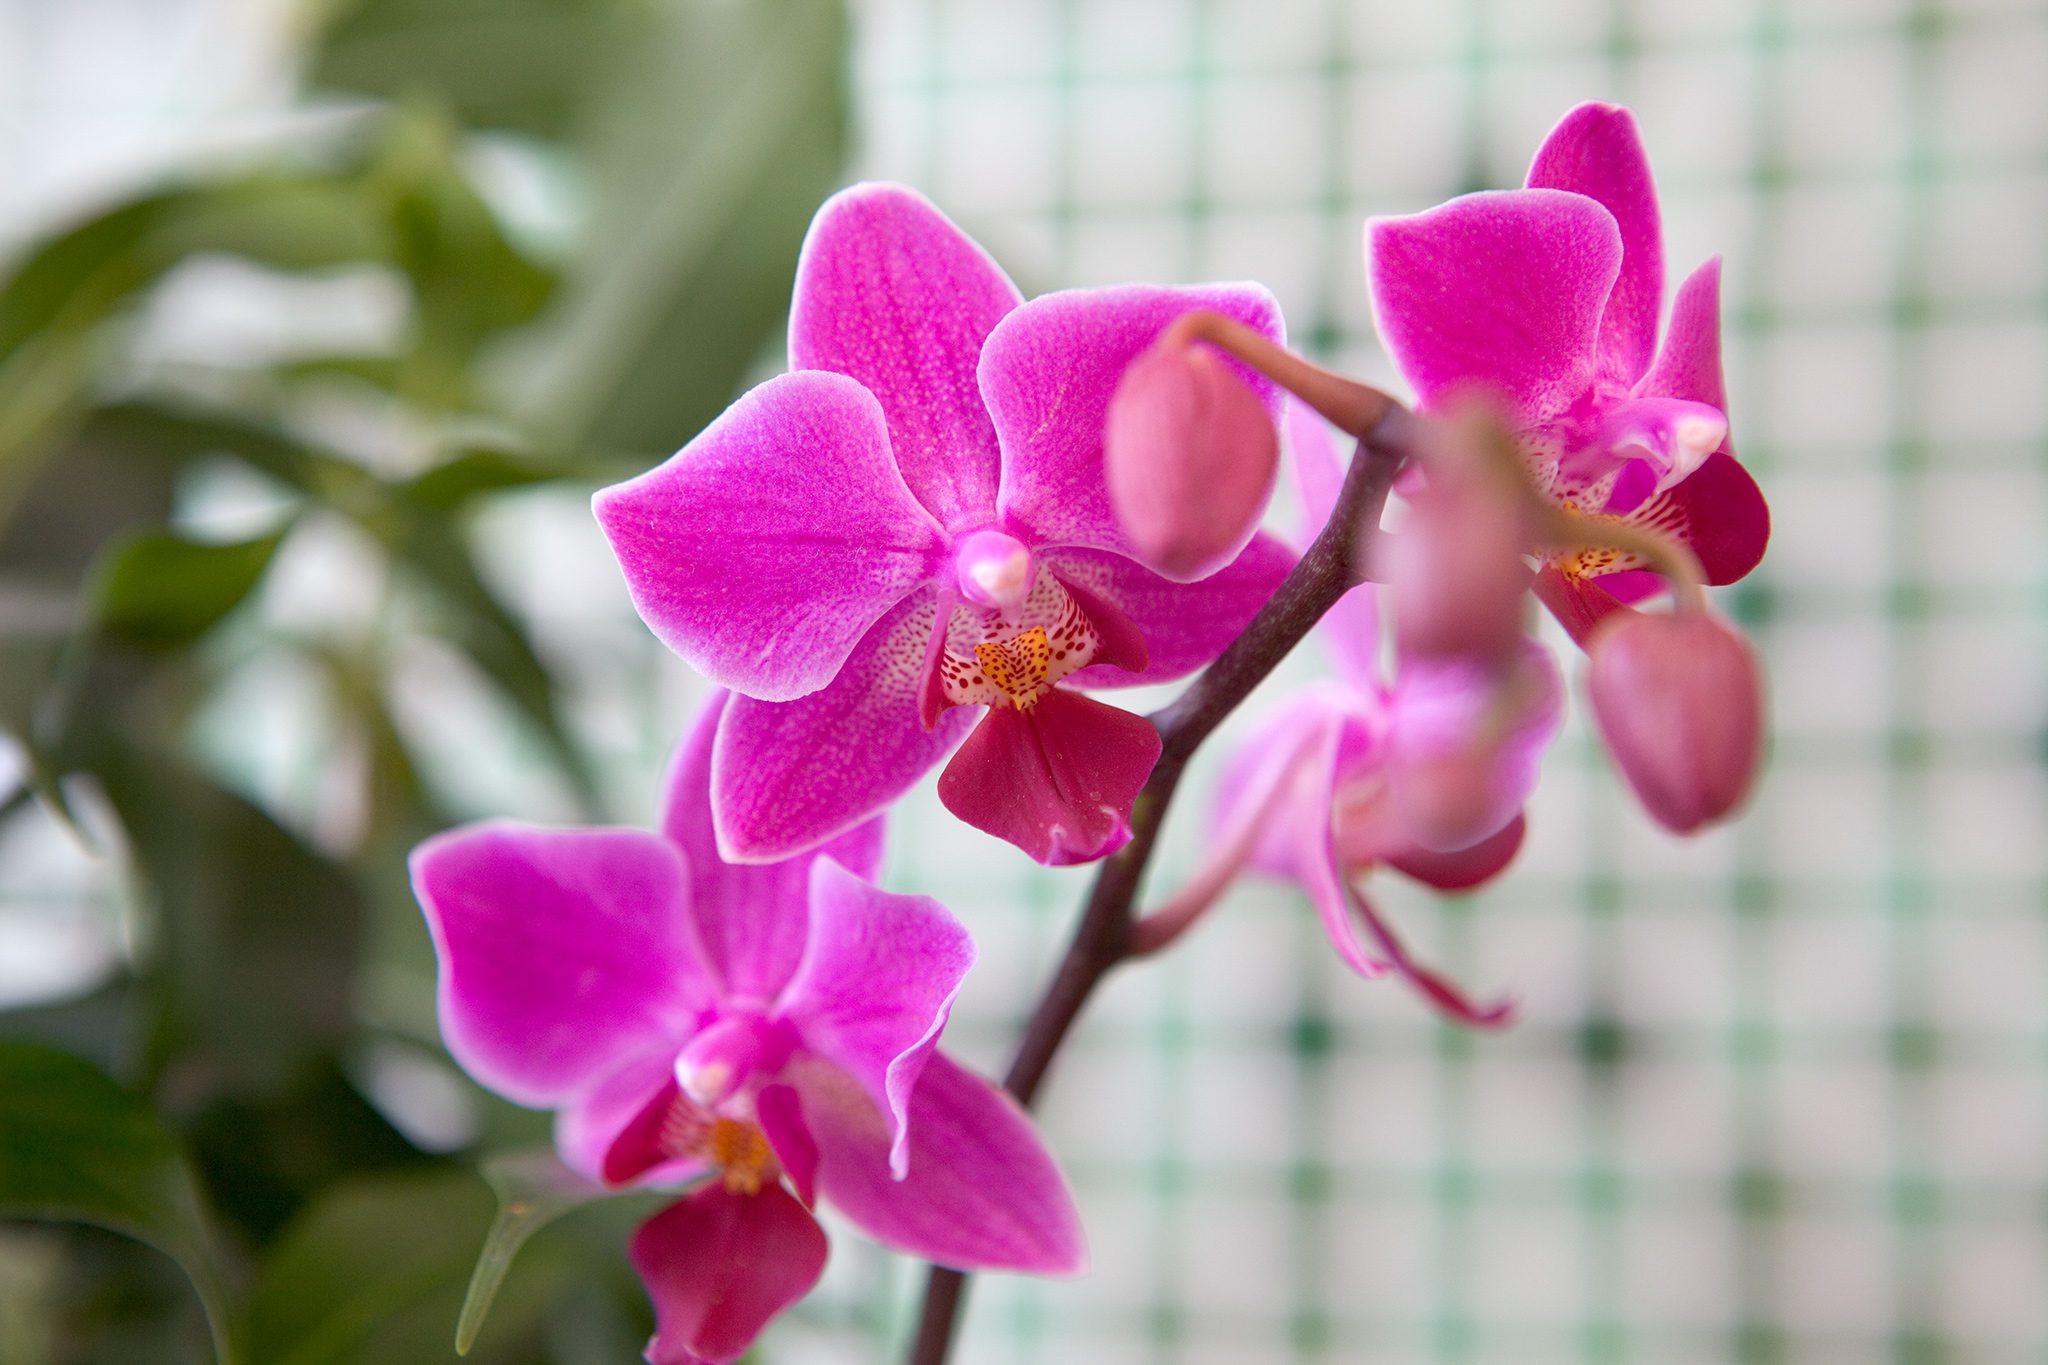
[
  {"x": 698, "y": 137},
  {"x": 160, "y": 590},
  {"x": 76, "y": 1147}
]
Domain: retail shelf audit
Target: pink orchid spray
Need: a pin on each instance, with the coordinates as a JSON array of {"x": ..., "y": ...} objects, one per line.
[
  {"x": 913, "y": 527},
  {"x": 768, "y": 1032}
]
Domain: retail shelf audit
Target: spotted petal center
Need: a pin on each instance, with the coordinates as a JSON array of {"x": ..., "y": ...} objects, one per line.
[{"x": 993, "y": 657}]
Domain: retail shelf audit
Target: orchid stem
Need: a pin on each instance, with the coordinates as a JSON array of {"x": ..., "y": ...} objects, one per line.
[{"x": 1103, "y": 937}]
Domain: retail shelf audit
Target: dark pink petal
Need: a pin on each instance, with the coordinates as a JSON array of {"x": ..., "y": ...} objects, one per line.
[
  {"x": 1579, "y": 604},
  {"x": 1191, "y": 458},
  {"x": 981, "y": 1191},
  {"x": 889, "y": 292},
  {"x": 1680, "y": 702},
  {"x": 638, "y": 1146},
  {"x": 563, "y": 953},
  {"x": 788, "y": 776},
  {"x": 1121, "y": 646},
  {"x": 780, "y": 1114},
  {"x": 1439, "y": 991},
  {"x": 1717, "y": 510},
  {"x": 588, "y": 1127},
  {"x": 1503, "y": 290},
  {"x": 1466, "y": 868},
  {"x": 875, "y": 985},
  {"x": 1689, "y": 366},
  {"x": 764, "y": 549},
  {"x": 1047, "y": 374},
  {"x": 1057, "y": 781},
  {"x": 1595, "y": 150},
  {"x": 719, "y": 1266},
  {"x": 1466, "y": 743},
  {"x": 1183, "y": 625},
  {"x": 751, "y": 917}
]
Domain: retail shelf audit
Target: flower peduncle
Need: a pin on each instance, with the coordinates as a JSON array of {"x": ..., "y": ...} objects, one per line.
[{"x": 1356, "y": 409}]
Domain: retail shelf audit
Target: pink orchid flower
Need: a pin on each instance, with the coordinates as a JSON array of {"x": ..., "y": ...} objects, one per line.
[
  {"x": 1548, "y": 297},
  {"x": 769, "y": 1031},
  {"x": 912, "y": 525},
  {"x": 1321, "y": 792}
]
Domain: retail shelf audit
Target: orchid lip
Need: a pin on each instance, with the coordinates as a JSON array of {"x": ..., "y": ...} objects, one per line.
[{"x": 995, "y": 570}]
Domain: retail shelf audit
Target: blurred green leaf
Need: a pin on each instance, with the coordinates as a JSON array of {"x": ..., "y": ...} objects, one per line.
[
  {"x": 160, "y": 590},
  {"x": 533, "y": 1189},
  {"x": 75, "y": 1146},
  {"x": 449, "y": 486},
  {"x": 373, "y": 1273},
  {"x": 715, "y": 144},
  {"x": 521, "y": 65}
]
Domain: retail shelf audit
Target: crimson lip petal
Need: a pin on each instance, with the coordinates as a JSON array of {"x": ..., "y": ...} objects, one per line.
[{"x": 1058, "y": 780}]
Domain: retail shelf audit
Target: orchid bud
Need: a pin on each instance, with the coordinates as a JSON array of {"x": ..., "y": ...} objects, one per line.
[
  {"x": 1191, "y": 456},
  {"x": 1679, "y": 700},
  {"x": 1454, "y": 570}
]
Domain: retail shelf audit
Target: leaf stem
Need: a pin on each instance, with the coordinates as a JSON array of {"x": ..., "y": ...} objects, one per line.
[{"x": 1102, "y": 938}]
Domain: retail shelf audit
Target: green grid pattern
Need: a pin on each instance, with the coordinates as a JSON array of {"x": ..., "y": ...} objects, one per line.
[{"x": 1778, "y": 1093}]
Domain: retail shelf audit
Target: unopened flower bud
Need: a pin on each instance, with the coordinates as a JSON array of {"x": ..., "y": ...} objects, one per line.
[
  {"x": 1191, "y": 456},
  {"x": 1454, "y": 570},
  {"x": 1679, "y": 700}
]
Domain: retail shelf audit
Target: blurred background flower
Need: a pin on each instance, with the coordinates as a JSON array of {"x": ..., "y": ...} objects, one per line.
[{"x": 320, "y": 322}]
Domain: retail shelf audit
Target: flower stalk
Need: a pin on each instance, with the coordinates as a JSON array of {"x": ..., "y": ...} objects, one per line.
[{"x": 1103, "y": 937}]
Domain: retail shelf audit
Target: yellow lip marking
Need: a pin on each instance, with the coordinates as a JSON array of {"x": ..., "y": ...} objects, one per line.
[{"x": 1018, "y": 667}]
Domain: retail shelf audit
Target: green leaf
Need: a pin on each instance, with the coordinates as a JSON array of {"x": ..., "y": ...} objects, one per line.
[
  {"x": 717, "y": 142},
  {"x": 533, "y": 1190},
  {"x": 521, "y": 65},
  {"x": 449, "y": 486},
  {"x": 374, "y": 1273},
  {"x": 75, "y": 1146},
  {"x": 160, "y": 590}
]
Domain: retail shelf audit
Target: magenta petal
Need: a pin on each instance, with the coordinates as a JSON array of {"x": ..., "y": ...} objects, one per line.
[
  {"x": 638, "y": 1146},
  {"x": 751, "y": 917},
  {"x": 891, "y": 293},
  {"x": 1689, "y": 366},
  {"x": 780, "y": 1114},
  {"x": 1579, "y": 604},
  {"x": 1184, "y": 625},
  {"x": 1057, "y": 781},
  {"x": 1503, "y": 289},
  {"x": 875, "y": 985},
  {"x": 1047, "y": 375},
  {"x": 764, "y": 549},
  {"x": 1467, "y": 867},
  {"x": 1595, "y": 150},
  {"x": 1438, "y": 990},
  {"x": 981, "y": 1191},
  {"x": 588, "y": 1127},
  {"x": 563, "y": 953},
  {"x": 1482, "y": 731},
  {"x": 788, "y": 776},
  {"x": 1717, "y": 510},
  {"x": 1349, "y": 631},
  {"x": 719, "y": 1266}
]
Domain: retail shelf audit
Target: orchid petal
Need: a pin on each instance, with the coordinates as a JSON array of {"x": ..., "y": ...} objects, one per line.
[
  {"x": 1596, "y": 150},
  {"x": 1503, "y": 289},
  {"x": 1057, "y": 781},
  {"x": 1453, "y": 710},
  {"x": 1438, "y": 990},
  {"x": 876, "y": 983},
  {"x": 779, "y": 1111},
  {"x": 751, "y": 917},
  {"x": 1465, "y": 868},
  {"x": 589, "y": 1127},
  {"x": 764, "y": 549},
  {"x": 1047, "y": 375},
  {"x": 719, "y": 1266},
  {"x": 980, "y": 1192},
  {"x": 563, "y": 953},
  {"x": 1579, "y": 604},
  {"x": 891, "y": 293},
  {"x": 789, "y": 776},
  {"x": 1184, "y": 625},
  {"x": 1719, "y": 512},
  {"x": 1689, "y": 365}
]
